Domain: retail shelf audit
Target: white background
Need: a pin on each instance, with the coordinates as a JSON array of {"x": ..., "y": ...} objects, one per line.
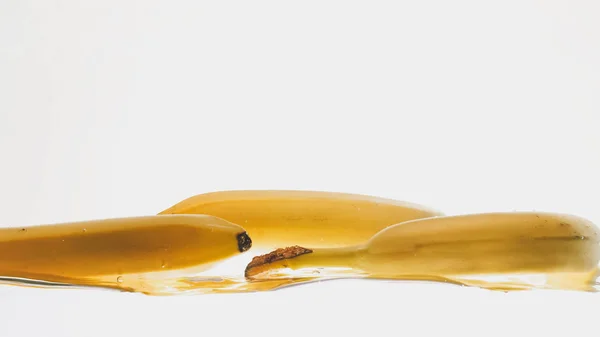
[{"x": 117, "y": 108}]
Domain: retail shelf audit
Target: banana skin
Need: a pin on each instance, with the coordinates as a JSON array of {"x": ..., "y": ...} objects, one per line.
[
  {"x": 114, "y": 251},
  {"x": 467, "y": 249},
  {"x": 276, "y": 218}
]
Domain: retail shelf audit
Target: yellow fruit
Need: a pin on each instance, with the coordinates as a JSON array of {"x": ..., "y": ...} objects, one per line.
[
  {"x": 496, "y": 250},
  {"x": 316, "y": 219},
  {"x": 118, "y": 252}
]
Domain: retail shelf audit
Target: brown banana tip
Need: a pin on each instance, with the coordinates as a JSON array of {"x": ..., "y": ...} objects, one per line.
[
  {"x": 244, "y": 242},
  {"x": 276, "y": 255}
]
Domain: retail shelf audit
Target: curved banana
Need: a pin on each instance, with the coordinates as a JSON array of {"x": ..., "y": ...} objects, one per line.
[
  {"x": 495, "y": 250},
  {"x": 118, "y": 252},
  {"x": 311, "y": 218}
]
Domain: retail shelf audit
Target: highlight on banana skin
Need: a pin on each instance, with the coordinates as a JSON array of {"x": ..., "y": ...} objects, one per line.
[{"x": 284, "y": 238}]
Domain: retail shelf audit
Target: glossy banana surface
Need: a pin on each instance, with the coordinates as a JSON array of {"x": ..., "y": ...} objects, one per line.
[
  {"x": 117, "y": 252},
  {"x": 503, "y": 250},
  {"x": 309, "y": 218}
]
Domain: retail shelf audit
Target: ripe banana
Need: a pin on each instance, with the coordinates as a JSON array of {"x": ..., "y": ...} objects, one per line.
[
  {"x": 310, "y": 218},
  {"x": 118, "y": 252},
  {"x": 494, "y": 250}
]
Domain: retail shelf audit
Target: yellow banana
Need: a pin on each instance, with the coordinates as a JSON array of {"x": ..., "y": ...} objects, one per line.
[
  {"x": 310, "y": 218},
  {"x": 119, "y": 252},
  {"x": 495, "y": 250}
]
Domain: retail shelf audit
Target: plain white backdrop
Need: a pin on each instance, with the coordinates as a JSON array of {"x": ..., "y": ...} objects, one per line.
[{"x": 117, "y": 108}]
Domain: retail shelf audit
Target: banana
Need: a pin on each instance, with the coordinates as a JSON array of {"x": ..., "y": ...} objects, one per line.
[
  {"x": 494, "y": 250},
  {"x": 310, "y": 218},
  {"x": 118, "y": 252}
]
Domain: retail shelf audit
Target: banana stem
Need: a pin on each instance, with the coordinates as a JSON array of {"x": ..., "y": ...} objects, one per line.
[{"x": 302, "y": 262}]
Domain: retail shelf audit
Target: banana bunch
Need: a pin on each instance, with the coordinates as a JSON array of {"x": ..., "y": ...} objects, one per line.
[{"x": 311, "y": 236}]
